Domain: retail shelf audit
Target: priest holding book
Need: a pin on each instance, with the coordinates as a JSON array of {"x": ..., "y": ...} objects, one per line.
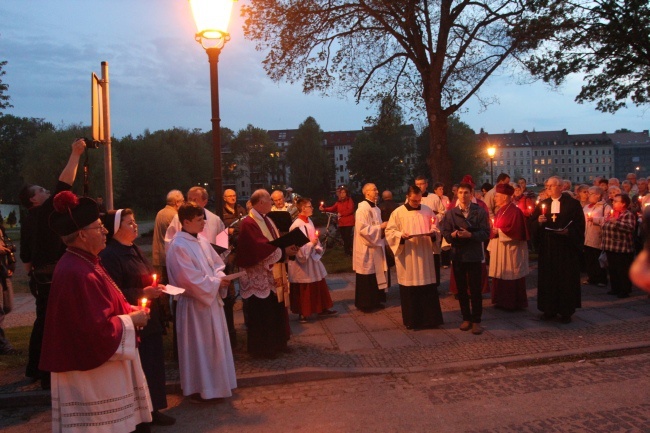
[{"x": 560, "y": 232}]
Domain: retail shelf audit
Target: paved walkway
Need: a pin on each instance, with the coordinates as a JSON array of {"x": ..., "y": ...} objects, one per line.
[{"x": 355, "y": 343}]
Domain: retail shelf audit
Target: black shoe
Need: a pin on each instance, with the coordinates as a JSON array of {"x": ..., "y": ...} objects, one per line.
[
  {"x": 565, "y": 319},
  {"x": 159, "y": 418},
  {"x": 547, "y": 316}
]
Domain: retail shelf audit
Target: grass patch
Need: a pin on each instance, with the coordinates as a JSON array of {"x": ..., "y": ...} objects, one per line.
[
  {"x": 19, "y": 339},
  {"x": 336, "y": 261}
]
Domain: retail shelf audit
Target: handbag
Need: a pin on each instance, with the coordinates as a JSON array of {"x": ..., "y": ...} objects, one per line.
[
  {"x": 11, "y": 257},
  {"x": 602, "y": 259}
]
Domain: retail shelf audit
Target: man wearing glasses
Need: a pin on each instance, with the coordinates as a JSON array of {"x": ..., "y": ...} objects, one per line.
[
  {"x": 560, "y": 227},
  {"x": 41, "y": 249}
]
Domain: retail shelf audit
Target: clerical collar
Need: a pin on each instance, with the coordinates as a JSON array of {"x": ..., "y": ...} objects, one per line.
[
  {"x": 196, "y": 235},
  {"x": 371, "y": 203},
  {"x": 410, "y": 208}
]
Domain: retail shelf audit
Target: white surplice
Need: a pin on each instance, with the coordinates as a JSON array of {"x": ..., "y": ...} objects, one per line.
[
  {"x": 213, "y": 226},
  {"x": 413, "y": 258},
  {"x": 368, "y": 255},
  {"x": 110, "y": 398},
  {"x": 307, "y": 267},
  {"x": 204, "y": 355}
]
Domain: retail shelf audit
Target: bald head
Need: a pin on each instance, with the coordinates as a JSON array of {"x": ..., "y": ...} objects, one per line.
[{"x": 386, "y": 195}]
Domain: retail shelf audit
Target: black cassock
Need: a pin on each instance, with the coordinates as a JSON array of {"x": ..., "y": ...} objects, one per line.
[{"x": 558, "y": 290}]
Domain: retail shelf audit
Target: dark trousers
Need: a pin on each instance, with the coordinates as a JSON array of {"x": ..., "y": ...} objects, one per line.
[
  {"x": 42, "y": 293},
  {"x": 468, "y": 277},
  {"x": 266, "y": 326},
  {"x": 618, "y": 265},
  {"x": 152, "y": 356},
  {"x": 346, "y": 235},
  {"x": 595, "y": 274}
]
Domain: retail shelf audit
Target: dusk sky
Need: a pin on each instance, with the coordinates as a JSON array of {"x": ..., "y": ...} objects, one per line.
[{"x": 159, "y": 76}]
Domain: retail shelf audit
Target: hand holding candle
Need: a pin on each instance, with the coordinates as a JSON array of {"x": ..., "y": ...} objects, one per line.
[
  {"x": 143, "y": 303},
  {"x": 154, "y": 278},
  {"x": 543, "y": 208}
]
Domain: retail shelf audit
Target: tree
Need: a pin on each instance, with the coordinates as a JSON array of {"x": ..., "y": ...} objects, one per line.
[
  {"x": 4, "y": 98},
  {"x": 253, "y": 147},
  {"x": 433, "y": 54},
  {"x": 464, "y": 147},
  {"x": 154, "y": 163},
  {"x": 308, "y": 162},
  {"x": 47, "y": 154},
  {"x": 16, "y": 135},
  {"x": 608, "y": 41},
  {"x": 12, "y": 220},
  {"x": 378, "y": 154}
]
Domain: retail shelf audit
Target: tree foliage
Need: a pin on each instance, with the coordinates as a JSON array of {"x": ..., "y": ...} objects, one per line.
[
  {"x": 16, "y": 135},
  {"x": 311, "y": 169},
  {"x": 378, "y": 154},
  {"x": 152, "y": 164},
  {"x": 253, "y": 147},
  {"x": 4, "y": 97},
  {"x": 608, "y": 41},
  {"x": 433, "y": 54}
]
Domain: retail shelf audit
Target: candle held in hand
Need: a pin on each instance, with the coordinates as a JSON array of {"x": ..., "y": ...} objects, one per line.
[
  {"x": 544, "y": 209},
  {"x": 317, "y": 233},
  {"x": 143, "y": 303},
  {"x": 154, "y": 278}
]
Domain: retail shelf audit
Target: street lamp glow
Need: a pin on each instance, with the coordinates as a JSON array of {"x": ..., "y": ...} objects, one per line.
[
  {"x": 211, "y": 17},
  {"x": 491, "y": 151}
]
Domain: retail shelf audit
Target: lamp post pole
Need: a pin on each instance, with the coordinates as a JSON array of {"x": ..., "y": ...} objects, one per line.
[
  {"x": 491, "y": 152},
  {"x": 492, "y": 170},
  {"x": 213, "y": 58}
]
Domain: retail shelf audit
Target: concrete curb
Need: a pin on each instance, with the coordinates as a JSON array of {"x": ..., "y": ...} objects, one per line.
[{"x": 308, "y": 374}]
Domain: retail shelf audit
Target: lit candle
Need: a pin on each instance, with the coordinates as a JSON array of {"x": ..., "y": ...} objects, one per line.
[
  {"x": 143, "y": 303},
  {"x": 492, "y": 221},
  {"x": 433, "y": 220},
  {"x": 611, "y": 212},
  {"x": 322, "y": 203},
  {"x": 589, "y": 214},
  {"x": 154, "y": 278},
  {"x": 317, "y": 233},
  {"x": 543, "y": 208}
]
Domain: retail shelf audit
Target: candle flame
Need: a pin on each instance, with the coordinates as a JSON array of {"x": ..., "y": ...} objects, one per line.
[
  {"x": 155, "y": 279},
  {"x": 143, "y": 302}
]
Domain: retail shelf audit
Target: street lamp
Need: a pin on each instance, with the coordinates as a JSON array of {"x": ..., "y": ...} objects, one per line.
[
  {"x": 211, "y": 17},
  {"x": 491, "y": 152}
]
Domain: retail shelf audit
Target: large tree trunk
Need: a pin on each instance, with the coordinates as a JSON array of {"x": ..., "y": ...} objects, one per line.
[{"x": 439, "y": 160}]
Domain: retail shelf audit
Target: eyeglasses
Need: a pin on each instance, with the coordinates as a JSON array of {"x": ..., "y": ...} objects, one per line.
[{"x": 101, "y": 228}]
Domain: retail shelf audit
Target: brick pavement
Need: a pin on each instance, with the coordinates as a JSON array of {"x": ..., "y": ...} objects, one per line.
[{"x": 355, "y": 343}]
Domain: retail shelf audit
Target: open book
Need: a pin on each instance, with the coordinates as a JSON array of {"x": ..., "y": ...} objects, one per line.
[{"x": 559, "y": 230}]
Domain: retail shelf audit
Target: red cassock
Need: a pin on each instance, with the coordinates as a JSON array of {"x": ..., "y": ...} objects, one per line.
[{"x": 82, "y": 328}]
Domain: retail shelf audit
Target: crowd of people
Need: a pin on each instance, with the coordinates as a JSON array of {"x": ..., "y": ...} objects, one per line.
[{"x": 78, "y": 254}]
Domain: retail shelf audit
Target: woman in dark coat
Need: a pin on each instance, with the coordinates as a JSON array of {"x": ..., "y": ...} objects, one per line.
[{"x": 133, "y": 274}]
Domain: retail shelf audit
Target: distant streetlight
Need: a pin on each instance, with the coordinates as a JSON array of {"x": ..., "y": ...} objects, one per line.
[
  {"x": 212, "y": 17},
  {"x": 491, "y": 152}
]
